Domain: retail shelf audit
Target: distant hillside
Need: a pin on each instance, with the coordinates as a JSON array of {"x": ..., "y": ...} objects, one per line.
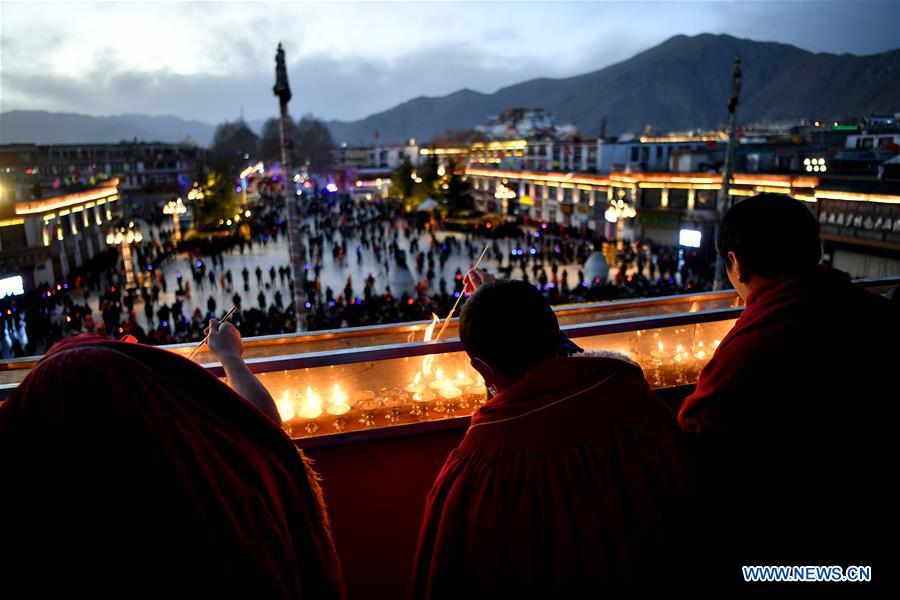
[
  {"x": 42, "y": 127},
  {"x": 680, "y": 84}
]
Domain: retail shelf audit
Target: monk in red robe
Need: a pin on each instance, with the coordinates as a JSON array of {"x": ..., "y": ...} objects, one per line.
[
  {"x": 570, "y": 481},
  {"x": 793, "y": 413},
  {"x": 129, "y": 471}
]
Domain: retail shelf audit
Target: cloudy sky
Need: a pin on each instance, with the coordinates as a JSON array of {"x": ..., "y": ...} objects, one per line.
[{"x": 210, "y": 61}]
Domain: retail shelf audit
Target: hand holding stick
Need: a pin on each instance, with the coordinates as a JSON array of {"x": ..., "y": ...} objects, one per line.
[
  {"x": 206, "y": 339},
  {"x": 455, "y": 304}
]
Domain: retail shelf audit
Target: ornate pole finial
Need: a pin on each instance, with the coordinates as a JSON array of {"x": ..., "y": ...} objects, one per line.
[{"x": 282, "y": 88}]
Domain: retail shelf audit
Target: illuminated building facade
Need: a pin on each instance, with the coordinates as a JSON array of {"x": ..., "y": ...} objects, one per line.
[
  {"x": 43, "y": 240},
  {"x": 861, "y": 230},
  {"x": 142, "y": 167}
]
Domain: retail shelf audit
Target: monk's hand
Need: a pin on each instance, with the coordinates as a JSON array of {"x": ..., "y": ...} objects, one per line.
[
  {"x": 475, "y": 279},
  {"x": 224, "y": 340}
]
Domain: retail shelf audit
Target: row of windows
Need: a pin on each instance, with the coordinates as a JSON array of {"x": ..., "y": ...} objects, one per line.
[
  {"x": 158, "y": 153},
  {"x": 648, "y": 197},
  {"x": 868, "y": 143},
  {"x": 678, "y": 199}
]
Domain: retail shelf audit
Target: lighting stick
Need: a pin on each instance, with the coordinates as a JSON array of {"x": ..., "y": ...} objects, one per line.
[
  {"x": 206, "y": 339},
  {"x": 455, "y": 304}
]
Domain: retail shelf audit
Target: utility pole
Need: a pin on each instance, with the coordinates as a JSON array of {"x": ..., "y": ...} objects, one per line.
[
  {"x": 724, "y": 199},
  {"x": 282, "y": 89}
]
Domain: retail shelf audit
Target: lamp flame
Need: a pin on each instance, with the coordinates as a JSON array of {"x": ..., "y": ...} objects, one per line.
[
  {"x": 285, "y": 407},
  {"x": 429, "y": 331},
  {"x": 311, "y": 406}
]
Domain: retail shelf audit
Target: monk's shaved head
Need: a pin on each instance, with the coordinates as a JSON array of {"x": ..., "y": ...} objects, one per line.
[
  {"x": 509, "y": 325},
  {"x": 772, "y": 235}
]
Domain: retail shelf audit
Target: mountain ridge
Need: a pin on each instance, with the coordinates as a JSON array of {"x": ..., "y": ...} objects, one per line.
[{"x": 682, "y": 83}]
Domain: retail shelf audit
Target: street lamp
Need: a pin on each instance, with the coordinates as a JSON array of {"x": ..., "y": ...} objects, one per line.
[
  {"x": 123, "y": 237},
  {"x": 815, "y": 165},
  {"x": 175, "y": 208},
  {"x": 196, "y": 192},
  {"x": 617, "y": 212},
  {"x": 504, "y": 194}
]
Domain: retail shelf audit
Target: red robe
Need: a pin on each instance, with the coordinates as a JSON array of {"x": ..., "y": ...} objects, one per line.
[
  {"x": 802, "y": 347},
  {"x": 129, "y": 471},
  {"x": 795, "y": 420},
  {"x": 570, "y": 483}
]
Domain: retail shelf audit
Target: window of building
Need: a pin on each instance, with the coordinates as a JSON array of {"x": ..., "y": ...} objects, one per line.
[
  {"x": 705, "y": 199},
  {"x": 12, "y": 237},
  {"x": 651, "y": 197},
  {"x": 678, "y": 199}
]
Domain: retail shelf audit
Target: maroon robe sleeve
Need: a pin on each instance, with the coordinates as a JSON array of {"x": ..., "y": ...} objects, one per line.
[
  {"x": 730, "y": 377},
  {"x": 550, "y": 506},
  {"x": 136, "y": 472}
]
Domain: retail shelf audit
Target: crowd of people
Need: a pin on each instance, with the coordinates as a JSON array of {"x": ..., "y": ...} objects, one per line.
[
  {"x": 372, "y": 240},
  {"x": 130, "y": 468}
]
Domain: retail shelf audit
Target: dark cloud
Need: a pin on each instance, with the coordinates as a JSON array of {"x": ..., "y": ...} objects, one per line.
[{"x": 350, "y": 87}]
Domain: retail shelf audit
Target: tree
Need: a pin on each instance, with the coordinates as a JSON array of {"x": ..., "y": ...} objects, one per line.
[
  {"x": 313, "y": 145},
  {"x": 270, "y": 141},
  {"x": 455, "y": 191},
  {"x": 402, "y": 183},
  {"x": 218, "y": 200},
  {"x": 431, "y": 180},
  {"x": 233, "y": 142},
  {"x": 430, "y": 176}
]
